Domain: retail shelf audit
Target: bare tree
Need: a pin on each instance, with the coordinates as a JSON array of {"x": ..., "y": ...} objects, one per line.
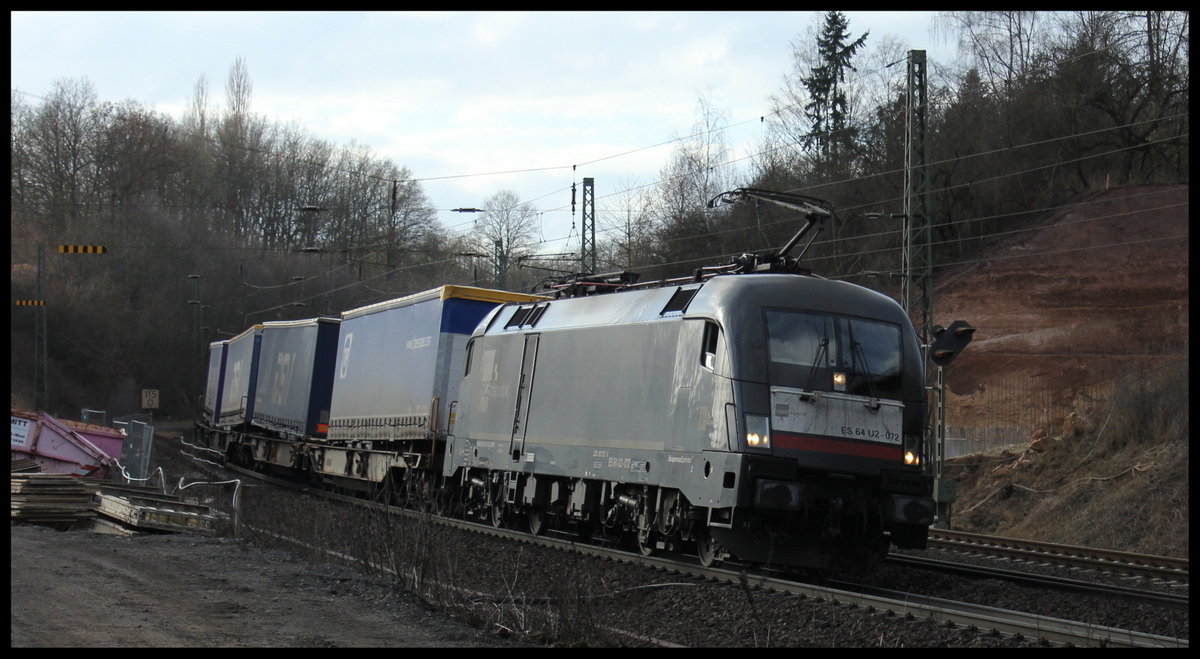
[
  {"x": 505, "y": 230},
  {"x": 1003, "y": 45},
  {"x": 196, "y": 115},
  {"x": 627, "y": 224},
  {"x": 62, "y": 152},
  {"x": 697, "y": 169}
]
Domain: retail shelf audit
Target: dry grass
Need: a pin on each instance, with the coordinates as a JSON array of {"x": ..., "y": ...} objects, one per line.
[
  {"x": 507, "y": 592},
  {"x": 1117, "y": 480}
]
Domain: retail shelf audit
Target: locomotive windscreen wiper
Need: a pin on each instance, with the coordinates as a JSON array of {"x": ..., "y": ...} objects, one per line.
[
  {"x": 856, "y": 352},
  {"x": 822, "y": 349}
]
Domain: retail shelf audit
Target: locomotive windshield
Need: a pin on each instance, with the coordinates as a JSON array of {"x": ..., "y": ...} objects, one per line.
[{"x": 809, "y": 350}]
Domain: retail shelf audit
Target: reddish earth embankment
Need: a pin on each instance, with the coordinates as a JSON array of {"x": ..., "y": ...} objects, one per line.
[{"x": 1098, "y": 292}]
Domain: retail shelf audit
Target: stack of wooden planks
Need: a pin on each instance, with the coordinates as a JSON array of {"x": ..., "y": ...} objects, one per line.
[
  {"x": 147, "y": 511},
  {"x": 25, "y": 465},
  {"x": 55, "y": 499}
]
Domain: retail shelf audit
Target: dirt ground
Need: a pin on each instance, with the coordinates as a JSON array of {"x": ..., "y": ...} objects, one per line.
[{"x": 90, "y": 590}]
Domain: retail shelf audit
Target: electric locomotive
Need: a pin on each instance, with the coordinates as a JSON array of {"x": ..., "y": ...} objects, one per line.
[
  {"x": 774, "y": 417},
  {"x": 755, "y": 411}
]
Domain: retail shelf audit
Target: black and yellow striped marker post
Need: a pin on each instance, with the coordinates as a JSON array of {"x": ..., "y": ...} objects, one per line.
[
  {"x": 30, "y": 303},
  {"x": 82, "y": 249}
]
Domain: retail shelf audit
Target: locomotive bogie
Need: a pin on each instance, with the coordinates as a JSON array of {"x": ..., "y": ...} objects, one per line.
[{"x": 656, "y": 518}]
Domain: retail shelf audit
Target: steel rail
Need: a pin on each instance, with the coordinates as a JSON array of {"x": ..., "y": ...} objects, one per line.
[
  {"x": 1147, "y": 565},
  {"x": 1170, "y": 600}
]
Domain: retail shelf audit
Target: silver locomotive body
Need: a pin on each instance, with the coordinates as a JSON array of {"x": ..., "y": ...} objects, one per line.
[{"x": 771, "y": 417}]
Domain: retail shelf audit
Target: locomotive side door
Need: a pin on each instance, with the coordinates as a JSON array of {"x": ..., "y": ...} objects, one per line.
[{"x": 524, "y": 391}]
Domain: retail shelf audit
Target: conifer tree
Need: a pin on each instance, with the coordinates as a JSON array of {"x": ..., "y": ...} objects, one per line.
[{"x": 828, "y": 109}]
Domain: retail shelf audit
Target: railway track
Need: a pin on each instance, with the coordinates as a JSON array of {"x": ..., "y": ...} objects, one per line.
[
  {"x": 1162, "y": 567},
  {"x": 905, "y": 605},
  {"x": 1125, "y": 593}
]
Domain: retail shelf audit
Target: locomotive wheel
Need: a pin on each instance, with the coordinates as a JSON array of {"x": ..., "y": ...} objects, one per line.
[
  {"x": 537, "y": 521},
  {"x": 706, "y": 549}
]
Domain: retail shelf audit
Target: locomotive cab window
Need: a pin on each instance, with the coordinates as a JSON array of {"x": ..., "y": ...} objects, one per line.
[
  {"x": 820, "y": 352},
  {"x": 871, "y": 355}
]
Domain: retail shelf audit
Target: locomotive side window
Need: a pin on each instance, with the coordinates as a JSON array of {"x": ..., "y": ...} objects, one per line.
[{"x": 708, "y": 353}]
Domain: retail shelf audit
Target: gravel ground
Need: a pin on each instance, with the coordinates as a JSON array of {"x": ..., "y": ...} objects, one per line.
[{"x": 694, "y": 612}]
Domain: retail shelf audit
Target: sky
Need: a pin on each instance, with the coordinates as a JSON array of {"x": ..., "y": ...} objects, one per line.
[{"x": 457, "y": 97}]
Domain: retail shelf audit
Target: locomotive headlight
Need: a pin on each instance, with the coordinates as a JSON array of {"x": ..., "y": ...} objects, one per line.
[
  {"x": 839, "y": 381},
  {"x": 911, "y": 454},
  {"x": 758, "y": 431}
]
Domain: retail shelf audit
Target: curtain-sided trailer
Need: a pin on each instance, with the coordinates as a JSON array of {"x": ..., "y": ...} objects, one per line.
[
  {"x": 393, "y": 370},
  {"x": 239, "y": 378},
  {"x": 295, "y": 377}
]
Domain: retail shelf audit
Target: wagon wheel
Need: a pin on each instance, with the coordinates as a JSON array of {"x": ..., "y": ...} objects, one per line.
[
  {"x": 497, "y": 514},
  {"x": 706, "y": 549}
]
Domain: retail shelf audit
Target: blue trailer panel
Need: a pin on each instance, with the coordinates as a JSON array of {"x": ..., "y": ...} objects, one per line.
[
  {"x": 295, "y": 376},
  {"x": 241, "y": 372},
  {"x": 216, "y": 377}
]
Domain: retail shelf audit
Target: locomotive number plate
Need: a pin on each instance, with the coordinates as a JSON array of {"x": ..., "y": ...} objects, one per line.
[{"x": 836, "y": 415}]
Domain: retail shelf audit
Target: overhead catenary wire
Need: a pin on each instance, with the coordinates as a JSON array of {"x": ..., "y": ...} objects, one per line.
[
  {"x": 711, "y": 258},
  {"x": 979, "y": 181}
]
